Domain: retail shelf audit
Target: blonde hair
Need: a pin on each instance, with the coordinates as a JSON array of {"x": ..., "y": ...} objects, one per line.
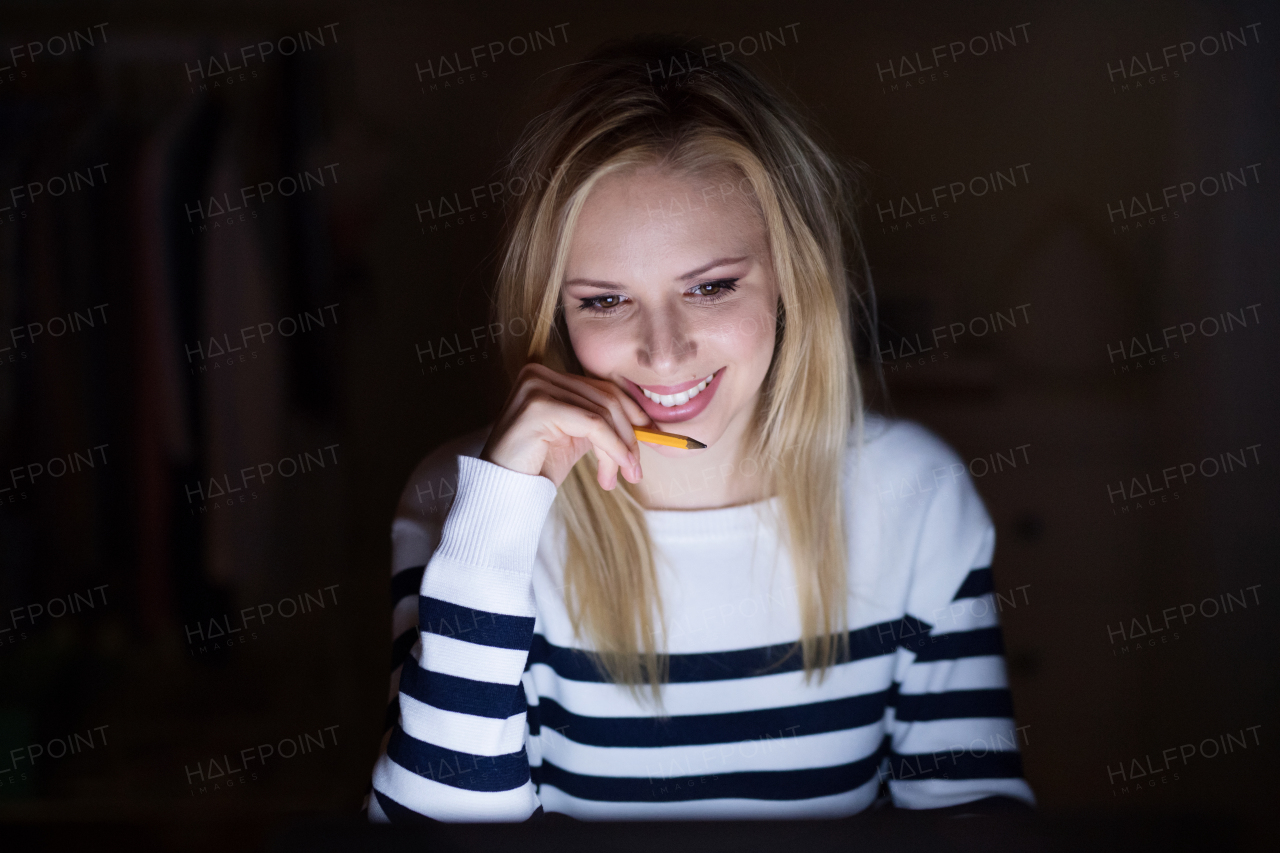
[{"x": 611, "y": 112}]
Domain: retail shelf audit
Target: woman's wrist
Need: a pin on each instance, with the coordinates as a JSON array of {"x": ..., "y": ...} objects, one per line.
[{"x": 496, "y": 517}]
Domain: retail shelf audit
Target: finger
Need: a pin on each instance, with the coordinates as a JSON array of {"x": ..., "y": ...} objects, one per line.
[
  {"x": 627, "y": 414},
  {"x": 610, "y": 405},
  {"x": 607, "y": 399},
  {"x": 606, "y": 472},
  {"x": 575, "y": 392},
  {"x": 580, "y": 422},
  {"x": 625, "y": 411},
  {"x": 576, "y": 419},
  {"x": 636, "y": 415}
]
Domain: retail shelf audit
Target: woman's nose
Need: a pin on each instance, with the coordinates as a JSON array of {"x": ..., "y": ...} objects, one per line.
[{"x": 666, "y": 343}]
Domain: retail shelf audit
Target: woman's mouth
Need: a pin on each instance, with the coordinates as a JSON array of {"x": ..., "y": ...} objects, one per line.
[{"x": 672, "y": 403}]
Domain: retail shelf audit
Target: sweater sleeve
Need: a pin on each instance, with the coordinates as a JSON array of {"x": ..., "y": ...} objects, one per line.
[
  {"x": 455, "y": 750},
  {"x": 953, "y": 736}
]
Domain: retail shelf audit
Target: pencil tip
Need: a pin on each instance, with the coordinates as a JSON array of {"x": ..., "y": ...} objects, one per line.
[{"x": 694, "y": 444}]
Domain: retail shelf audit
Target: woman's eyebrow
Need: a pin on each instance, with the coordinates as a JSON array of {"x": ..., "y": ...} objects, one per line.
[
  {"x": 718, "y": 262},
  {"x": 602, "y": 285},
  {"x": 613, "y": 285}
]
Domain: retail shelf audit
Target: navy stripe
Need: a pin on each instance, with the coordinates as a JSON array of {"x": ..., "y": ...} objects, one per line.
[
  {"x": 765, "y": 725},
  {"x": 405, "y": 583},
  {"x": 401, "y": 647},
  {"x": 533, "y": 717},
  {"x": 474, "y": 626},
  {"x": 945, "y": 764},
  {"x": 754, "y": 784},
  {"x": 392, "y": 714},
  {"x": 905, "y": 633},
  {"x": 458, "y": 769},
  {"x": 871, "y": 641},
  {"x": 535, "y": 773},
  {"x": 452, "y": 693},
  {"x": 962, "y": 644},
  {"x": 885, "y": 637},
  {"x": 953, "y": 704},
  {"x": 979, "y": 582}
]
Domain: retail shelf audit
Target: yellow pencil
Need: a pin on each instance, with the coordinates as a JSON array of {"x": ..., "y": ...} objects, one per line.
[{"x": 669, "y": 439}]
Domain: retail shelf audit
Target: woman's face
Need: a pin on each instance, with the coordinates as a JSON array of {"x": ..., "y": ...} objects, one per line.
[{"x": 669, "y": 283}]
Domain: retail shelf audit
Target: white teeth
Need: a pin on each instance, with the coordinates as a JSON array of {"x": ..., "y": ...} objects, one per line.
[{"x": 669, "y": 400}]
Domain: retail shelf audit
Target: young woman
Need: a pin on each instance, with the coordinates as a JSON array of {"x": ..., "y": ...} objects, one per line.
[{"x": 795, "y": 621}]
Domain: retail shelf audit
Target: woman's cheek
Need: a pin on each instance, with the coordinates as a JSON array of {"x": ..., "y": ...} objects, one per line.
[
  {"x": 745, "y": 334},
  {"x": 731, "y": 331},
  {"x": 596, "y": 348}
]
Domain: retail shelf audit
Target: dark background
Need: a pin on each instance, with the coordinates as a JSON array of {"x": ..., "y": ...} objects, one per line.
[{"x": 1064, "y": 391}]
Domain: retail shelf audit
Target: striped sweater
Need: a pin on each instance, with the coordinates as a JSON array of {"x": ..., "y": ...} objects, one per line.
[{"x": 495, "y": 712}]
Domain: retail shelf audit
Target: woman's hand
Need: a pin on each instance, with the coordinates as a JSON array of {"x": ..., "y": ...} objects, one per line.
[{"x": 551, "y": 419}]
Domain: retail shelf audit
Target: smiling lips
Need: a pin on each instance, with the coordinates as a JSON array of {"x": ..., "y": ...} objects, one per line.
[
  {"x": 670, "y": 403},
  {"x": 676, "y": 395}
]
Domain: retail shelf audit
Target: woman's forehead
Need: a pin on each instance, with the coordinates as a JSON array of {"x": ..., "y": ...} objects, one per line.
[
  {"x": 723, "y": 183},
  {"x": 650, "y": 210}
]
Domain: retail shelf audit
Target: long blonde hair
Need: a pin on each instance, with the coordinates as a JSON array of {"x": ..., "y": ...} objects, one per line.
[{"x": 625, "y": 106}]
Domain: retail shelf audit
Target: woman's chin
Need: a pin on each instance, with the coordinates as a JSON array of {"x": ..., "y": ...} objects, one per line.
[{"x": 708, "y": 434}]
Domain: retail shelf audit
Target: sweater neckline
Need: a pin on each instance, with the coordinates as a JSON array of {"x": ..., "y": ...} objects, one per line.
[{"x": 715, "y": 522}]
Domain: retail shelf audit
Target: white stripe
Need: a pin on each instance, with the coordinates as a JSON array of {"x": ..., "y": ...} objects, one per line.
[
  {"x": 984, "y": 672},
  {"x": 479, "y": 587},
  {"x": 780, "y": 690},
  {"x": 786, "y": 750},
  {"x": 530, "y": 691},
  {"x": 834, "y": 806},
  {"x": 941, "y": 793},
  {"x": 977, "y": 736},
  {"x": 461, "y": 732},
  {"x": 987, "y": 549},
  {"x": 471, "y": 660},
  {"x": 444, "y": 802}
]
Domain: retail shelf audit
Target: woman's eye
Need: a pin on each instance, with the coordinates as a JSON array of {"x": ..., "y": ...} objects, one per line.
[
  {"x": 719, "y": 288},
  {"x": 707, "y": 291},
  {"x": 600, "y": 304}
]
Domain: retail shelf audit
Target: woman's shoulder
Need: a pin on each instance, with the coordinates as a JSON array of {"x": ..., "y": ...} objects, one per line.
[
  {"x": 896, "y": 448},
  {"x": 430, "y": 488},
  {"x": 922, "y": 509}
]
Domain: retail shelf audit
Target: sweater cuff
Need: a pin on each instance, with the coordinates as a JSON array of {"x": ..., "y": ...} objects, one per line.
[{"x": 497, "y": 516}]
